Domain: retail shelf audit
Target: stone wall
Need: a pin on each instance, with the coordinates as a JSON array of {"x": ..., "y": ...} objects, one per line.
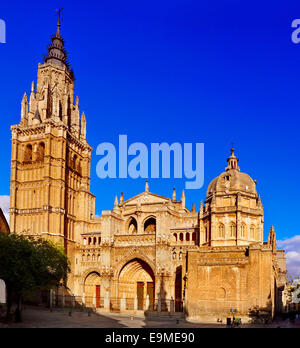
[{"x": 223, "y": 278}]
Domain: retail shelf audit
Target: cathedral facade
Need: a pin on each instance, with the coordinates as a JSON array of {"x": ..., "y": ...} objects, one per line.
[{"x": 149, "y": 247}]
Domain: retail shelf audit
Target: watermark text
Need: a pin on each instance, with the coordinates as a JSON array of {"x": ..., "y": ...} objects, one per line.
[
  {"x": 187, "y": 161},
  {"x": 296, "y": 32},
  {"x": 2, "y": 31}
]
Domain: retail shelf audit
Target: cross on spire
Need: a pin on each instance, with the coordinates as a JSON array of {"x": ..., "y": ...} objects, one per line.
[{"x": 58, "y": 13}]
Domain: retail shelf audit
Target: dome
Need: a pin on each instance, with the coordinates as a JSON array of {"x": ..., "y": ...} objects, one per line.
[{"x": 232, "y": 180}]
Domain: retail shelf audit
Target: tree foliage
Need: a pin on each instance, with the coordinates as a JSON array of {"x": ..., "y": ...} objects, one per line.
[{"x": 29, "y": 264}]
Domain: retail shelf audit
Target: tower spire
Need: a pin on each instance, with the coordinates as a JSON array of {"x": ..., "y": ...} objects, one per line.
[
  {"x": 59, "y": 11},
  {"x": 56, "y": 51}
]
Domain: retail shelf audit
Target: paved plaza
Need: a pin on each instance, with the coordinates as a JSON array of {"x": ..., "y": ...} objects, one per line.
[{"x": 34, "y": 317}]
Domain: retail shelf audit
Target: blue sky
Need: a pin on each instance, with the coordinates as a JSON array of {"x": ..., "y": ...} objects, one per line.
[{"x": 175, "y": 71}]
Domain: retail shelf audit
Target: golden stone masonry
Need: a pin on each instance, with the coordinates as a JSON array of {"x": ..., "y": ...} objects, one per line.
[{"x": 150, "y": 251}]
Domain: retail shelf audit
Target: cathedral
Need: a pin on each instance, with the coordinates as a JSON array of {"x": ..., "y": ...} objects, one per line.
[{"x": 149, "y": 249}]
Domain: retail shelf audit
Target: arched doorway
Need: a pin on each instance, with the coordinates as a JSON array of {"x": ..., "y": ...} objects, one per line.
[
  {"x": 92, "y": 289},
  {"x": 178, "y": 289},
  {"x": 136, "y": 279}
]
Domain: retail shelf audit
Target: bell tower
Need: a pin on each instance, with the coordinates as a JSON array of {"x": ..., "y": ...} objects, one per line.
[{"x": 50, "y": 164}]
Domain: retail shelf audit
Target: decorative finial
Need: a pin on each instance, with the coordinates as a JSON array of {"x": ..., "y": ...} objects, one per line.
[
  {"x": 193, "y": 208},
  {"x": 201, "y": 208},
  {"x": 83, "y": 126},
  {"x": 174, "y": 194},
  {"x": 232, "y": 161},
  {"x": 121, "y": 198},
  {"x": 272, "y": 238},
  {"x": 232, "y": 148},
  {"x": 147, "y": 186},
  {"x": 183, "y": 199}
]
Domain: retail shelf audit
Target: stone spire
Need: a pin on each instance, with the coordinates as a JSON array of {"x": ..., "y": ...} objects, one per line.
[
  {"x": 147, "y": 186},
  {"x": 116, "y": 205},
  {"x": 116, "y": 201},
  {"x": 122, "y": 198},
  {"x": 174, "y": 194},
  {"x": 58, "y": 26},
  {"x": 24, "y": 108},
  {"x": 32, "y": 88},
  {"x": 232, "y": 161},
  {"x": 201, "y": 208},
  {"x": 183, "y": 199},
  {"x": 56, "y": 51},
  {"x": 193, "y": 208},
  {"x": 83, "y": 127},
  {"x": 32, "y": 99},
  {"x": 272, "y": 239}
]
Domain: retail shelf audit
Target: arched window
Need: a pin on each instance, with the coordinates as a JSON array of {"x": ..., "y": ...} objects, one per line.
[
  {"x": 28, "y": 153},
  {"x": 181, "y": 237},
  {"x": 84, "y": 241},
  {"x": 40, "y": 152},
  {"x": 90, "y": 240},
  {"x": 232, "y": 230},
  {"x": 194, "y": 236},
  {"x": 95, "y": 240},
  {"x": 175, "y": 237},
  {"x": 243, "y": 231},
  {"x": 206, "y": 233},
  {"x": 187, "y": 237},
  {"x": 221, "y": 231},
  {"x": 132, "y": 227},
  {"x": 150, "y": 226},
  {"x": 99, "y": 240},
  {"x": 174, "y": 256}
]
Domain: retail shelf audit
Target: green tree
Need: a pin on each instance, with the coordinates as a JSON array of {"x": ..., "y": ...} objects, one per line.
[{"x": 28, "y": 264}]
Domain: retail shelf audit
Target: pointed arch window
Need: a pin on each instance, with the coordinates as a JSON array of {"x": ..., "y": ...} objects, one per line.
[
  {"x": 41, "y": 152},
  {"x": 243, "y": 231},
  {"x": 132, "y": 226},
  {"x": 150, "y": 226},
  {"x": 232, "y": 229},
  {"x": 28, "y": 153},
  {"x": 221, "y": 231}
]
